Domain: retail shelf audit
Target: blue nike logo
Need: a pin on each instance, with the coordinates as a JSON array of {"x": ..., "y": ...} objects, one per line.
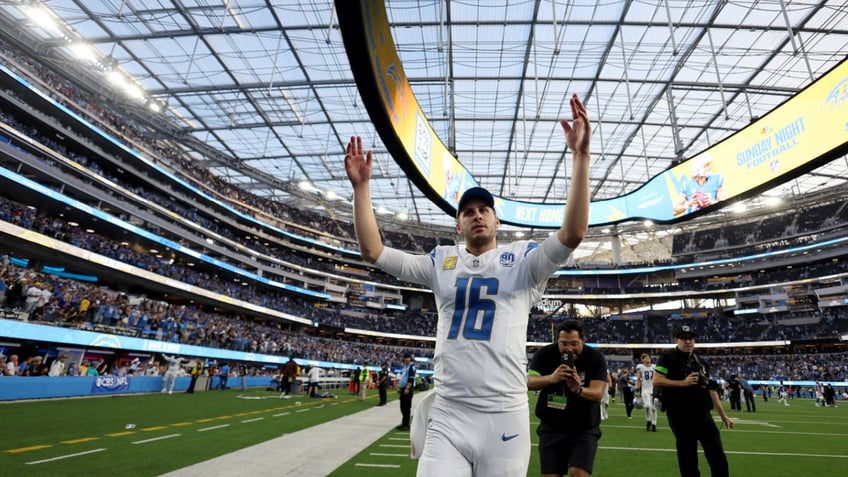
[{"x": 505, "y": 437}]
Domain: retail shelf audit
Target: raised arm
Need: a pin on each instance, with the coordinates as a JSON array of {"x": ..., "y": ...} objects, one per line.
[
  {"x": 358, "y": 167},
  {"x": 577, "y": 136}
]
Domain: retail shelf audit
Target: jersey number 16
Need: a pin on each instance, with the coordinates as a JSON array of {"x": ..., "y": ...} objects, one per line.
[{"x": 472, "y": 308}]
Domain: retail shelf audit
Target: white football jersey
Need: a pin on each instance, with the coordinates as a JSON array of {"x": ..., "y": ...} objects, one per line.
[
  {"x": 483, "y": 304},
  {"x": 647, "y": 373}
]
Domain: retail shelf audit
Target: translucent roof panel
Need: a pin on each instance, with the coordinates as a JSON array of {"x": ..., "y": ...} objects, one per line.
[{"x": 268, "y": 85}]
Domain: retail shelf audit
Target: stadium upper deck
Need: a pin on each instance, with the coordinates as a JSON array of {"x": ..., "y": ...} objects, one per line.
[{"x": 188, "y": 206}]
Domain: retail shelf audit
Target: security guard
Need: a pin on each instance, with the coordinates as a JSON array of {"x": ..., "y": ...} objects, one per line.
[
  {"x": 364, "y": 376},
  {"x": 688, "y": 395}
]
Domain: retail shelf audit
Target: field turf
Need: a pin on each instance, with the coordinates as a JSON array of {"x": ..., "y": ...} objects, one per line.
[{"x": 90, "y": 436}]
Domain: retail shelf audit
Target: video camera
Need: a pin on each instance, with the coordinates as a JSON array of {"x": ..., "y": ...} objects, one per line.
[{"x": 695, "y": 366}]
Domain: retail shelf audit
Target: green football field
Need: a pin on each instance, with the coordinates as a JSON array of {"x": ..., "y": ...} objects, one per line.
[{"x": 90, "y": 436}]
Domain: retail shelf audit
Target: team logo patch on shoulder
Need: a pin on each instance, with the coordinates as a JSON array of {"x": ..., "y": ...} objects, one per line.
[
  {"x": 450, "y": 263},
  {"x": 507, "y": 259}
]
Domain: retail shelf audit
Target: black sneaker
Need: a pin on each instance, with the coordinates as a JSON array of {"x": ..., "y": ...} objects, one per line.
[
  {"x": 653, "y": 428},
  {"x": 648, "y": 426},
  {"x": 402, "y": 428}
]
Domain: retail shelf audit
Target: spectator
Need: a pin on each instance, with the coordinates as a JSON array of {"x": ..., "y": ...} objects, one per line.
[
  {"x": 12, "y": 366},
  {"x": 289, "y": 374},
  {"x": 313, "y": 382},
  {"x": 170, "y": 377},
  {"x": 57, "y": 367}
]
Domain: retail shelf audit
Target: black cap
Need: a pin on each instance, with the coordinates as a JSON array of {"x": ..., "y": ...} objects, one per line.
[
  {"x": 685, "y": 330},
  {"x": 475, "y": 193}
]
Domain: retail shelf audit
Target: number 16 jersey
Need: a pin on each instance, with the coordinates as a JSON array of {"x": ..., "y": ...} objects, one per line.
[{"x": 483, "y": 306}]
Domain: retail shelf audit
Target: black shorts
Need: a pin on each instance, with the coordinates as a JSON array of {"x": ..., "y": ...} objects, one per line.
[{"x": 559, "y": 450}]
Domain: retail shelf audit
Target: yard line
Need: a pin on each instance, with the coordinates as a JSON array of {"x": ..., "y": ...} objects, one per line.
[
  {"x": 281, "y": 414},
  {"x": 80, "y": 440},
  {"x": 26, "y": 449},
  {"x": 789, "y": 454},
  {"x": 303, "y": 410},
  {"x": 212, "y": 428},
  {"x": 383, "y": 454},
  {"x": 779, "y": 454},
  {"x": 252, "y": 420},
  {"x": 384, "y": 466},
  {"x": 791, "y": 433},
  {"x": 394, "y": 445},
  {"x": 399, "y": 439},
  {"x": 812, "y": 421},
  {"x": 65, "y": 456},
  {"x": 145, "y": 441}
]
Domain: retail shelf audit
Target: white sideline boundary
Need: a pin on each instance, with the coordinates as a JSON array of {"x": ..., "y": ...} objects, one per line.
[{"x": 298, "y": 453}]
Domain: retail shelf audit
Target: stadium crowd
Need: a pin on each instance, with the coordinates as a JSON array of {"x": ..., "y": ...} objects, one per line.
[{"x": 64, "y": 302}]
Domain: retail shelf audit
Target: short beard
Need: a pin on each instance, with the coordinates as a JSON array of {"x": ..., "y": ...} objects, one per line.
[{"x": 479, "y": 241}]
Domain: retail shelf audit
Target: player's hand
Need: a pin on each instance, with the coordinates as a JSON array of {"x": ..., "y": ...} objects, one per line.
[
  {"x": 358, "y": 164},
  {"x": 728, "y": 422},
  {"x": 578, "y": 133}
]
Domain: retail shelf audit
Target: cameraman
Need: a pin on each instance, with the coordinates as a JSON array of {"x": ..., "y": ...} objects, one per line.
[
  {"x": 688, "y": 395},
  {"x": 572, "y": 379}
]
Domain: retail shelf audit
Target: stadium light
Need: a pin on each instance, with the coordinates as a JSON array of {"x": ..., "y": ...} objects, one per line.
[
  {"x": 83, "y": 51},
  {"x": 42, "y": 18},
  {"x": 307, "y": 186}
]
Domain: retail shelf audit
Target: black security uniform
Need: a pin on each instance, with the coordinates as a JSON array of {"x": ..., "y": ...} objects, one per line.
[
  {"x": 688, "y": 410},
  {"x": 735, "y": 389},
  {"x": 383, "y": 385},
  {"x": 626, "y": 392},
  {"x": 570, "y": 425}
]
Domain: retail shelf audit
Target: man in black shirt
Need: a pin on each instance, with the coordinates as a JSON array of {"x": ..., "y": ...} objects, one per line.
[
  {"x": 572, "y": 379},
  {"x": 688, "y": 395},
  {"x": 734, "y": 387},
  {"x": 626, "y": 391},
  {"x": 383, "y": 383}
]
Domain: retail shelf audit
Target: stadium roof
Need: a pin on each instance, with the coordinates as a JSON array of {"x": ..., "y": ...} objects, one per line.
[{"x": 267, "y": 86}]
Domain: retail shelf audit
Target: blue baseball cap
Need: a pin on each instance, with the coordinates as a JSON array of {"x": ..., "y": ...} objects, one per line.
[{"x": 475, "y": 193}]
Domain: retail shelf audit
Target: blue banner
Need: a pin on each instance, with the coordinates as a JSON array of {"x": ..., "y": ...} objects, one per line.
[{"x": 110, "y": 384}]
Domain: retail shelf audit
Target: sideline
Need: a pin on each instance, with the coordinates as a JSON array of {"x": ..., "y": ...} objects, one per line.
[{"x": 298, "y": 453}]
